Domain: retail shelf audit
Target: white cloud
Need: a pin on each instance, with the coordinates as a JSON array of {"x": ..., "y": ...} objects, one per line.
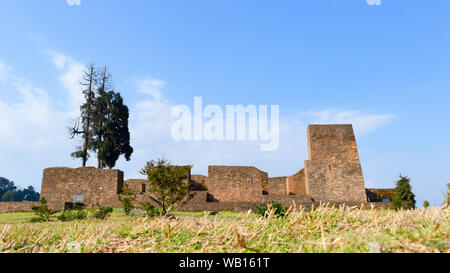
[
  {"x": 151, "y": 87},
  {"x": 363, "y": 123},
  {"x": 373, "y": 2},
  {"x": 29, "y": 120},
  {"x": 70, "y": 78},
  {"x": 73, "y": 2}
]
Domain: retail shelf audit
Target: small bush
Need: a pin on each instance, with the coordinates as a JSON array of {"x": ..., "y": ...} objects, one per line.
[
  {"x": 126, "y": 200},
  {"x": 265, "y": 209},
  {"x": 36, "y": 220},
  {"x": 72, "y": 215},
  {"x": 151, "y": 210},
  {"x": 102, "y": 213},
  {"x": 426, "y": 204},
  {"x": 42, "y": 211}
]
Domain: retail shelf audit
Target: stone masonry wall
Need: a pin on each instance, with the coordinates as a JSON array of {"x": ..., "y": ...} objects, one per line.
[
  {"x": 333, "y": 171},
  {"x": 236, "y": 184},
  {"x": 60, "y": 185},
  {"x": 16, "y": 206},
  {"x": 277, "y": 186},
  {"x": 200, "y": 180},
  {"x": 295, "y": 184}
]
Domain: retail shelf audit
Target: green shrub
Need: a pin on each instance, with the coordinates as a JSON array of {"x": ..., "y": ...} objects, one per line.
[
  {"x": 42, "y": 211},
  {"x": 102, "y": 213},
  {"x": 264, "y": 209},
  {"x": 151, "y": 210},
  {"x": 426, "y": 204},
  {"x": 126, "y": 200},
  {"x": 72, "y": 215},
  {"x": 37, "y": 220}
]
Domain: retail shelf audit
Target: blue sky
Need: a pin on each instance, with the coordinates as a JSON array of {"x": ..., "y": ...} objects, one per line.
[{"x": 384, "y": 68}]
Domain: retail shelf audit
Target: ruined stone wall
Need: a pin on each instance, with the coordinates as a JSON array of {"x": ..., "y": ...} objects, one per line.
[
  {"x": 277, "y": 186},
  {"x": 99, "y": 187},
  {"x": 17, "y": 206},
  {"x": 295, "y": 184},
  {"x": 139, "y": 188},
  {"x": 237, "y": 184},
  {"x": 136, "y": 186},
  {"x": 200, "y": 179},
  {"x": 333, "y": 171}
]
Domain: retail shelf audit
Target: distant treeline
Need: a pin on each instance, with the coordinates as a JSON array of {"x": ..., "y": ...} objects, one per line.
[{"x": 10, "y": 193}]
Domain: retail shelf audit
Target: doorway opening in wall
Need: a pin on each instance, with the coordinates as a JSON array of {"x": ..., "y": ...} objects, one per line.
[
  {"x": 144, "y": 188},
  {"x": 73, "y": 206}
]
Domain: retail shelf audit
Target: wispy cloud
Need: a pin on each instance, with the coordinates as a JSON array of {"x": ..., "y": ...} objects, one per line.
[
  {"x": 29, "y": 122},
  {"x": 373, "y": 2},
  {"x": 151, "y": 87},
  {"x": 70, "y": 78},
  {"x": 363, "y": 123},
  {"x": 73, "y": 2}
]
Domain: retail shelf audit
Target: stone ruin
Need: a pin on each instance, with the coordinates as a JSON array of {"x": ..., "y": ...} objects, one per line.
[{"x": 331, "y": 174}]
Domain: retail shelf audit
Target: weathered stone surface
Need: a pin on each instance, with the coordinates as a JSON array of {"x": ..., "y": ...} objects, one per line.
[
  {"x": 200, "y": 181},
  {"x": 17, "y": 206},
  {"x": 277, "y": 186},
  {"x": 237, "y": 184},
  {"x": 333, "y": 171},
  {"x": 296, "y": 184},
  {"x": 99, "y": 187}
]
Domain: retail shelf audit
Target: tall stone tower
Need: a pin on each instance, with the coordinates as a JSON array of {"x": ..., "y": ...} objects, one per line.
[{"x": 333, "y": 171}]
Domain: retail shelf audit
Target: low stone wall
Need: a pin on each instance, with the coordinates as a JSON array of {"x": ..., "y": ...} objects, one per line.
[
  {"x": 16, "y": 206},
  {"x": 200, "y": 182},
  {"x": 277, "y": 186},
  {"x": 98, "y": 187},
  {"x": 236, "y": 183},
  {"x": 295, "y": 184}
]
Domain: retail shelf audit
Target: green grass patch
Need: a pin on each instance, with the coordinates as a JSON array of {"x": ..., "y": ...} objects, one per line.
[{"x": 16, "y": 217}]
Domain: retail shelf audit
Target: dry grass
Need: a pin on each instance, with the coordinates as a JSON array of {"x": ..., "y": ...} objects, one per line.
[{"x": 322, "y": 230}]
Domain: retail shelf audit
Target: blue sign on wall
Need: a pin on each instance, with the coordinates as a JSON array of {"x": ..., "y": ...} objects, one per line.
[{"x": 78, "y": 198}]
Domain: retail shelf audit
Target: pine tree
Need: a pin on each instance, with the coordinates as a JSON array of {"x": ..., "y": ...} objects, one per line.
[
  {"x": 111, "y": 133},
  {"x": 403, "y": 196},
  {"x": 83, "y": 125},
  {"x": 116, "y": 141},
  {"x": 104, "y": 121},
  {"x": 102, "y": 103}
]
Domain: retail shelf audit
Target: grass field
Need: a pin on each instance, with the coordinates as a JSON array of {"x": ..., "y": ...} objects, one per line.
[{"x": 322, "y": 230}]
